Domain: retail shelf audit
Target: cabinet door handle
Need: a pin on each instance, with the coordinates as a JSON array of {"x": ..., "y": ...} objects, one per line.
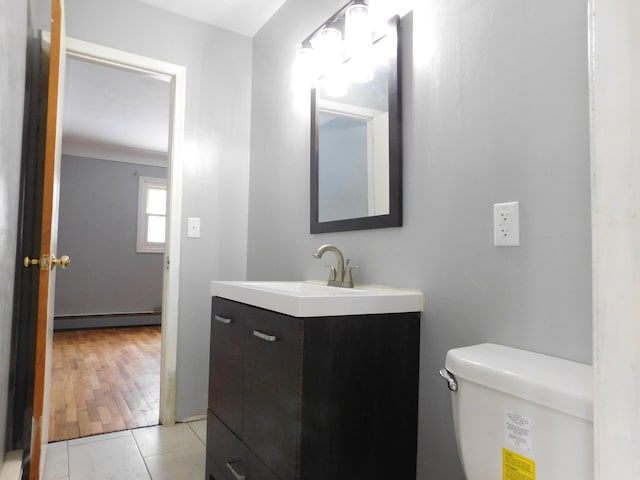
[
  {"x": 233, "y": 471},
  {"x": 222, "y": 319},
  {"x": 264, "y": 336}
]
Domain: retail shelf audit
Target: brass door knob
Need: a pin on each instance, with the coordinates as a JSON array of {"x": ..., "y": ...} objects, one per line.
[
  {"x": 28, "y": 262},
  {"x": 62, "y": 262},
  {"x": 47, "y": 262}
]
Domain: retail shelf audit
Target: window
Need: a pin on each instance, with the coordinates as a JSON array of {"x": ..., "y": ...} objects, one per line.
[{"x": 152, "y": 214}]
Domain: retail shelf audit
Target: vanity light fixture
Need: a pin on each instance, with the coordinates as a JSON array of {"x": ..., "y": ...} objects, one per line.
[
  {"x": 340, "y": 51},
  {"x": 328, "y": 44},
  {"x": 358, "y": 27},
  {"x": 306, "y": 66},
  {"x": 359, "y": 42}
]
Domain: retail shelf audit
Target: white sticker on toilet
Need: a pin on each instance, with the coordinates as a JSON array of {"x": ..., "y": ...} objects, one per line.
[{"x": 517, "y": 430}]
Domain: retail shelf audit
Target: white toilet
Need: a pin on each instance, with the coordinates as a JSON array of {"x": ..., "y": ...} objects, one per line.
[{"x": 521, "y": 415}]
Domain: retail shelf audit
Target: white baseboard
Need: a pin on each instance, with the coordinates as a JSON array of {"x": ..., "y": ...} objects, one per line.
[
  {"x": 12, "y": 468},
  {"x": 195, "y": 418}
]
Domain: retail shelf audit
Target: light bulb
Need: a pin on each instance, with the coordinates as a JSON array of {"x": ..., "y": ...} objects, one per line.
[
  {"x": 359, "y": 35},
  {"x": 358, "y": 31},
  {"x": 328, "y": 44},
  {"x": 306, "y": 67}
]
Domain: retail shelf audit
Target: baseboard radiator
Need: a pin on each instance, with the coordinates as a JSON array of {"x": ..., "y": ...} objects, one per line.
[{"x": 102, "y": 320}]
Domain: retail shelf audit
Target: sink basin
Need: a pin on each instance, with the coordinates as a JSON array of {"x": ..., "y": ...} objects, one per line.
[{"x": 314, "y": 299}]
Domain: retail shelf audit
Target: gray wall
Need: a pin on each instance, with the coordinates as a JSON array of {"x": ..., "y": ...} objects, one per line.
[
  {"x": 13, "y": 36},
  {"x": 216, "y": 156},
  {"x": 97, "y": 228},
  {"x": 495, "y": 109}
]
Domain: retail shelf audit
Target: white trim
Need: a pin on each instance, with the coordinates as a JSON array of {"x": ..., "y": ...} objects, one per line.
[
  {"x": 371, "y": 168},
  {"x": 614, "y": 74},
  {"x": 176, "y": 74},
  {"x": 347, "y": 109},
  {"x": 12, "y": 467},
  {"x": 380, "y": 190}
]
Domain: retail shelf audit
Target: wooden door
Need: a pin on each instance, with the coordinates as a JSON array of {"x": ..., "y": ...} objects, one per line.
[{"x": 45, "y": 260}]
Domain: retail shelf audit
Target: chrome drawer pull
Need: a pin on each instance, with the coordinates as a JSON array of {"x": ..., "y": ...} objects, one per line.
[
  {"x": 235, "y": 474},
  {"x": 221, "y": 319},
  {"x": 264, "y": 336}
]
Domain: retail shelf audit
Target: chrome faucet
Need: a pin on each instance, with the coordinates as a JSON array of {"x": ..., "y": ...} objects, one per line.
[{"x": 339, "y": 276}]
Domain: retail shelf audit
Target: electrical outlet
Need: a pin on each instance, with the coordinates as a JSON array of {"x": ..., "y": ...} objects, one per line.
[{"x": 506, "y": 224}]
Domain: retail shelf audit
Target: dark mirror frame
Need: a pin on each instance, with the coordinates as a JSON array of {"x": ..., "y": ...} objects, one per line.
[{"x": 394, "y": 218}]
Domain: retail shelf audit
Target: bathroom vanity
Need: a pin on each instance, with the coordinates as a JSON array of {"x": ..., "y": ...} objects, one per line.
[{"x": 298, "y": 394}]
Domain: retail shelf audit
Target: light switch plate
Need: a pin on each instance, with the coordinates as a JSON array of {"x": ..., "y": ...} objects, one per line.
[
  {"x": 506, "y": 224},
  {"x": 193, "y": 227}
]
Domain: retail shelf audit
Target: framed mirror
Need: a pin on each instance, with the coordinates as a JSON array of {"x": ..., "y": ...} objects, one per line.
[{"x": 356, "y": 143}]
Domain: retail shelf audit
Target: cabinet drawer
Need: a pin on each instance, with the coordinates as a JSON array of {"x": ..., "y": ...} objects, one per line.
[
  {"x": 273, "y": 361},
  {"x": 226, "y": 362},
  {"x": 212, "y": 471},
  {"x": 230, "y": 457}
]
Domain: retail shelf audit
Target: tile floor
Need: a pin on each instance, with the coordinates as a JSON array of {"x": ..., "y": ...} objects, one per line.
[{"x": 152, "y": 453}]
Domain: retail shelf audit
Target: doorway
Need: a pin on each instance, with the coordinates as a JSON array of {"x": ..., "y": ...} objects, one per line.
[
  {"x": 174, "y": 76},
  {"x": 112, "y": 223}
]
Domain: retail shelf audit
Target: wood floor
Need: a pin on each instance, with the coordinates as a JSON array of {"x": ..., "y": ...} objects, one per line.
[{"x": 104, "y": 380}]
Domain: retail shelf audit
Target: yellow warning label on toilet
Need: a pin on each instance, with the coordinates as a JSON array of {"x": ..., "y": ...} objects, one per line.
[{"x": 517, "y": 467}]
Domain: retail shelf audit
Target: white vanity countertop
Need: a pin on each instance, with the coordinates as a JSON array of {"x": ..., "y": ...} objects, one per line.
[{"x": 316, "y": 299}]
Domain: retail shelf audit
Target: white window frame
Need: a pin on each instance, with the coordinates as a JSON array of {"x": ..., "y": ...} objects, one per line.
[{"x": 142, "y": 245}]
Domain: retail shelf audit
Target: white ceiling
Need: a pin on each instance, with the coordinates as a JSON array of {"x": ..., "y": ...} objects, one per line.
[
  {"x": 242, "y": 16},
  {"x": 106, "y": 106}
]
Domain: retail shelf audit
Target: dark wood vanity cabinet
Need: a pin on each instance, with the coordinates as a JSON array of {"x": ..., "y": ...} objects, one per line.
[{"x": 318, "y": 398}]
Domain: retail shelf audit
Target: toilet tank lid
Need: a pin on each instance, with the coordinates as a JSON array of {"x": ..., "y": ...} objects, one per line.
[{"x": 556, "y": 383}]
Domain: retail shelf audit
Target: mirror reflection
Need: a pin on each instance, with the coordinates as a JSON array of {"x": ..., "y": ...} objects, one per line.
[
  {"x": 356, "y": 180},
  {"x": 353, "y": 151}
]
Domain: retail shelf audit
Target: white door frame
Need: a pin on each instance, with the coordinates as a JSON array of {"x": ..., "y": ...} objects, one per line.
[
  {"x": 614, "y": 75},
  {"x": 176, "y": 74}
]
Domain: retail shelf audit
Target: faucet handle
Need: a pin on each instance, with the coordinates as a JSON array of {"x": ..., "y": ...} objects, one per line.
[
  {"x": 347, "y": 273},
  {"x": 332, "y": 272}
]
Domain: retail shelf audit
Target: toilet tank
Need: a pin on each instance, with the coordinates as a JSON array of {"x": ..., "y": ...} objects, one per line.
[{"x": 521, "y": 415}]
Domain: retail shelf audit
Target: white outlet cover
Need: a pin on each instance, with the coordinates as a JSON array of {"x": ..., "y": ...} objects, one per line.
[{"x": 506, "y": 224}]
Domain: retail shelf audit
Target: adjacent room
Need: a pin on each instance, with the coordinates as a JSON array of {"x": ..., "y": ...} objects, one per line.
[{"x": 112, "y": 222}]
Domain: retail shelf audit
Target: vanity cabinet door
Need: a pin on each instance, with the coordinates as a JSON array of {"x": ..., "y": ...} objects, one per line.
[
  {"x": 226, "y": 360},
  {"x": 273, "y": 361}
]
